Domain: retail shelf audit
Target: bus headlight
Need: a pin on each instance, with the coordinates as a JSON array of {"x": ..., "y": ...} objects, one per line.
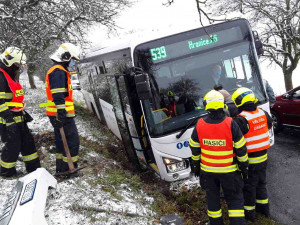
[{"x": 174, "y": 165}]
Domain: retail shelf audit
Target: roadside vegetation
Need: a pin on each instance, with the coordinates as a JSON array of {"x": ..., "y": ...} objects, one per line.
[{"x": 113, "y": 172}]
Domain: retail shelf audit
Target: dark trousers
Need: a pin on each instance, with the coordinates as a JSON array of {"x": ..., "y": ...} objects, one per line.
[
  {"x": 16, "y": 141},
  {"x": 232, "y": 185},
  {"x": 255, "y": 191},
  {"x": 72, "y": 137}
]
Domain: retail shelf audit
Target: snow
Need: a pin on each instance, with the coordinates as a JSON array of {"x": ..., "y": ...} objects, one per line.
[{"x": 78, "y": 200}]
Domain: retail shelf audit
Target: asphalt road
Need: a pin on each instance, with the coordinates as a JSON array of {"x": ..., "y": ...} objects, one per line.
[{"x": 283, "y": 177}]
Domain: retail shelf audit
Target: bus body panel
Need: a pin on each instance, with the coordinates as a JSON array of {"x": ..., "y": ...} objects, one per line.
[{"x": 172, "y": 146}]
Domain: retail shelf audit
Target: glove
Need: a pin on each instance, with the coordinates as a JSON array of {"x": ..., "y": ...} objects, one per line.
[
  {"x": 245, "y": 175},
  {"x": 55, "y": 122},
  {"x": 11, "y": 130},
  {"x": 195, "y": 167},
  {"x": 27, "y": 117},
  {"x": 61, "y": 115}
]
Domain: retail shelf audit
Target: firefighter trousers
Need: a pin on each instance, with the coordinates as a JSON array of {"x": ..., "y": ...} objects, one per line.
[
  {"x": 72, "y": 137},
  {"x": 16, "y": 141},
  {"x": 232, "y": 185},
  {"x": 255, "y": 191}
]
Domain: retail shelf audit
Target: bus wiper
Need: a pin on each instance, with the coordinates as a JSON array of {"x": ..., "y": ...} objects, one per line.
[{"x": 187, "y": 127}]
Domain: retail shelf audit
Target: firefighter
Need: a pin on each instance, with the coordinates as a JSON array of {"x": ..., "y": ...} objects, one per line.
[
  {"x": 255, "y": 124},
  {"x": 60, "y": 104},
  {"x": 14, "y": 131},
  {"x": 218, "y": 153}
]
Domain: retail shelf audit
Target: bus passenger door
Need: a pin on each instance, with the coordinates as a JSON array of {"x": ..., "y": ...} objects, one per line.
[{"x": 123, "y": 115}]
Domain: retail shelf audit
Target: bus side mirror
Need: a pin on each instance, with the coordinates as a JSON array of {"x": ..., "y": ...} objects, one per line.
[
  {"x": 143, "y": 86},
  {"x": 258, "y": 44}
]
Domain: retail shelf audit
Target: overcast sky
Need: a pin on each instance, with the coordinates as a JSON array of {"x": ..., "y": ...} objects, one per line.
[{"x": 150, "y": 16}]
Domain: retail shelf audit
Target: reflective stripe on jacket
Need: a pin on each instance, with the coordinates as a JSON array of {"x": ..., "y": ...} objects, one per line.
[
  {"x": 257, "y": 138},
  {"x": 51, "y": 108},
  {"x": 216, "y": 146},
  {"x": 17, "y": 102}
]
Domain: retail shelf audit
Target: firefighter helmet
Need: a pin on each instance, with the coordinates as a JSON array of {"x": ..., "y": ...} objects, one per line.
[
  {"x": 213, "y": 100},
  {"x": 170, "y": 94},
  {"x": 65, "y": 53},
  {"x": 243, "y": 96},
  {"x": 13, "y": 55}
]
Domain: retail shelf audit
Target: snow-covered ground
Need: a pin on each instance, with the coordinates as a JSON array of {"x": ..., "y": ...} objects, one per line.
[{"x": 80, "y": 200}]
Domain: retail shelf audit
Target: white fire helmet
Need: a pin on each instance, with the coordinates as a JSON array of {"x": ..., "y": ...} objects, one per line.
[
  {"x": 13, "y": 55},
  {"x": 65, "y": 53}
]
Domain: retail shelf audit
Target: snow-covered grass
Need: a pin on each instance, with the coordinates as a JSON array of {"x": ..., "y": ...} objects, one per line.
[{"x": 103, "y": 193}]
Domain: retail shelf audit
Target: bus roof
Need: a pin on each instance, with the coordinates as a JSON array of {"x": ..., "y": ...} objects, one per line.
[{"x": 133, "y": 41}]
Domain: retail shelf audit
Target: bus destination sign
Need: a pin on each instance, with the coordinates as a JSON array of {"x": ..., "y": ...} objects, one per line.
[{"x": 196, "y": 44}]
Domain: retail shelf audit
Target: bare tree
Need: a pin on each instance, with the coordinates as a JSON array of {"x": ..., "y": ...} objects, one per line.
[
  {"x": 278, "y": 22},
  {"x": 34, "y": 25}
]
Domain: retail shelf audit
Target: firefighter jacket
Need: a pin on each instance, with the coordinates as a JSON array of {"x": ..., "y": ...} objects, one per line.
[
  {"x": 11, "y": 97},
  {"x": 255, "y": 125},
  {"x": 59, "y": 91},
  {"x": 218, "y": 145}
]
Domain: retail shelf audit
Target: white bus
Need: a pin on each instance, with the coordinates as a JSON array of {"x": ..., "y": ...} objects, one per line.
[{"x": 149, "y": 94}]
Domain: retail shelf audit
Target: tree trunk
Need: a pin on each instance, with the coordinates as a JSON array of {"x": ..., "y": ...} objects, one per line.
[
  {"x": 288, "y": 80},
  {"x": 30, "y": 71}
]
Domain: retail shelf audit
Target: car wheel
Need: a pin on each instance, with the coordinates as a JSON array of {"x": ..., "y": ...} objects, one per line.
[{"x": 276, "y": 122}]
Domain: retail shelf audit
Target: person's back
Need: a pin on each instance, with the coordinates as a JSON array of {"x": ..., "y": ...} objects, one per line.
[
  {"x": 218, "y": 147},
  {"x": 255, "y": 124}
]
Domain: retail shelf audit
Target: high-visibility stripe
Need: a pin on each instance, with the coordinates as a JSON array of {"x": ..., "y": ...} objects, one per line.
[
  {"x": 249, "y": 207},
  {"x": 17, "y": 119},
  {"x": 196, "y": 157},
  {"x": 8, "y": 165},
  {"x": 3, "y": 107},
  {"x": 59, "y": 155},
  {"x": 240, "y": 143},
  {"x": 74, "y": 159},
  {"x": 243, "y": 158},
  {"x": 260, "y": 159},
  {"x": 216, "y": 160},
  {"x": 58, "y": 90},
  {"x": 62, "y": 106},
  {"x": 16, "y": 104},
  {"x": 51, "y": 109},
  {"x": 258, "y": 145},
  {"x": 217, "y": 153},
  {"x": 31, "y": 157},
  {"x": 258, "y": 137},
  {"x": 225, "y": 169},
  {"x": 70, "y": 114},
  {"x": 262, "y": 201},
  {"x": 236, "y": 213},
  {"x": 214, "y": 214},
  {"x": 5, "y": 95},
  {"x": 194, "y": 144}
]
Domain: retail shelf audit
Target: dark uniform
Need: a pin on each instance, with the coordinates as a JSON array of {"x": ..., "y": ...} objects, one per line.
[
  {"x": 60, "y": 90},
  {"x": 14, "y": 131},
  {"x": 254, "y": 124},
  {"x": 217, "y": 146}
]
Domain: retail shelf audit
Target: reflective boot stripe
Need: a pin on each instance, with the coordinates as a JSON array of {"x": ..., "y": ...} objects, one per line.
[
  {"x": 236, "y": 213},
  {"x": 214, "y": 214},
  {"x": 27, "y": 158}
]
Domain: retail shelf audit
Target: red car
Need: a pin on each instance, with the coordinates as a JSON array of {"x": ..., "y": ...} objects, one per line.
[{"x": 286, "y": 110}]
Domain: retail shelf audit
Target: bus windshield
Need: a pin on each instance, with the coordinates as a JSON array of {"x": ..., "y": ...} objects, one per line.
[{"x": 179, "y": 84}]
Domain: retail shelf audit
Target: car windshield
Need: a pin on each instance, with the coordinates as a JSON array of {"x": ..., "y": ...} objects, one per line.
[{"x": 179, "y": 85}]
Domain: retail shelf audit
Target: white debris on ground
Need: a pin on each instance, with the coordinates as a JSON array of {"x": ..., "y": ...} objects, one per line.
[{"x": 76, "y": 201}]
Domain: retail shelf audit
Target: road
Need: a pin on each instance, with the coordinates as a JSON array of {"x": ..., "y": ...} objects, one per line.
[{"x": 284, "y": 177}]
